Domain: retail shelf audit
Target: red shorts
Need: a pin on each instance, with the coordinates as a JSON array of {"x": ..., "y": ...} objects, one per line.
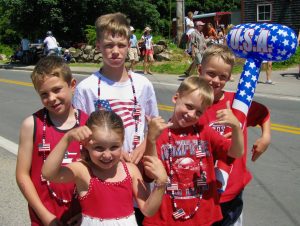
[{"x": 148, "y": 52}]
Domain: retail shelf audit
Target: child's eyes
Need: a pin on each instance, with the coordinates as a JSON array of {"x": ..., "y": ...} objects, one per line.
[
  {"x": 56, "y": 90},
  {"x": 189, "y": 107}
]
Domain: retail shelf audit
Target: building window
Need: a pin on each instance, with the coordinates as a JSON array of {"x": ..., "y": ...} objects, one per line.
[{"x": 264, "y": 12}]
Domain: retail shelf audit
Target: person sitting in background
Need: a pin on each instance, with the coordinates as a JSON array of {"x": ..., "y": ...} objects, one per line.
[
  {"x": 67, "y": 55},
  {"x": 51, "y": 45}
]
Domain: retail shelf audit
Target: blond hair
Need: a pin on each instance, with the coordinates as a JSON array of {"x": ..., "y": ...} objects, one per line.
[
  {"x": 218, "y": 50},
  {"x": 113, "y": 23},
  {"x": 51, "y": 66},
  {"x": 192, "y": 84}
]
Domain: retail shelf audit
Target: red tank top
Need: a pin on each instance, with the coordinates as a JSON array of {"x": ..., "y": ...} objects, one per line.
[
  {"x": 63, "y": 191},
  {"x": 108, "y": 200}
]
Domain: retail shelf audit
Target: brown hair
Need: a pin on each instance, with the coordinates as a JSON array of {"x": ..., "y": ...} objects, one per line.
[
  {"x": 192, "y": 84},
  {"x": 219, "y": 50},
  {"x": 113, "y": 23},
  {"x": 51, "y": 66},
  {"x": 104, "y": 119}
]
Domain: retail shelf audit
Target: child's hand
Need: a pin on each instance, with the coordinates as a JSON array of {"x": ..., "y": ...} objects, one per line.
[
  {"x": 226, "y": 117},
  {"x": 155, "y": 127},
  {"x": 154, "y": 169},
  {"x": 82, "y": 134},
  {"x": 259, "y": 147}
]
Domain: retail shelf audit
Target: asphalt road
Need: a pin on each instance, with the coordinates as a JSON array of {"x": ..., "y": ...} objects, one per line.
[{"x": 270, "y": 199}]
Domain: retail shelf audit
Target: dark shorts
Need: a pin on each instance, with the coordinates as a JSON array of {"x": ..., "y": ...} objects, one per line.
[
  {"x": 231, "y": 211},
  {"x": 139, "y": 216}
]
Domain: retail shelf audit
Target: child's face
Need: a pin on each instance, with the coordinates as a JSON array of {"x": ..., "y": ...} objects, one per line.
[
  {"x": 56, "y": 94},
  {"x": 188, "y": 109},
  {"x": 114, "y": 50},
  {"x": 217, "y": 73},
  {"x": 105, "y": 148}
]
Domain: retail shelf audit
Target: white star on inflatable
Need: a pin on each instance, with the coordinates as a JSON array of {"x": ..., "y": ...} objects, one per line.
[
  {"x": 242, "y": 93},
  {"x": 247, "y": 73},
  {"x": 280, "y": 32},
  {"x": 253, "y": 90},
  {"x": 285, "y": 42},
  {"x": 274, "y": 38},
  {"x": 293, "y": 35},
  {"x": 278, "y": 57},
  {"x": 249, "y": 98},
  {"x": 293, "y": 45},
  {"x": 253, "y": 78},
  {"x": 248, "y": 84},
  {"x": 269, "y": 56},
  {"x": 283, "y": 52},
  {"x": 241, "y": 80},
  {"x": 274, "y": 28},
  {"x": 252, "y": 65},
  {"x": 284, "y": 34}
]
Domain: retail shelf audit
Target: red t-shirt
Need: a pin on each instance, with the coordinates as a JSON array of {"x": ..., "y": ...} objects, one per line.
[
  {"x": 64, "y": 191},
  {"x": 240, "y": 176},
  {"x": 186, "y": 170}
]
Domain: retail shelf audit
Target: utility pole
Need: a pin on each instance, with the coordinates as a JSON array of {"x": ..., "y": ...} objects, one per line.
[{"x": 179, "y": 19}]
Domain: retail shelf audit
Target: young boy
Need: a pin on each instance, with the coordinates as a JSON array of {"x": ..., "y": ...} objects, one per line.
[
  {"x": 216, "y": 67},
  {"x": 188, "y": 151},
  {"x": 114, "y": 88},
  {"x": 49, "y": 203}
]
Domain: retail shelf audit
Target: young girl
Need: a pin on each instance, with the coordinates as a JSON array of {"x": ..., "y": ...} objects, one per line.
[
  {"x": 105, "y": 184},
  {"x": 148, "y": 51},
  {"x": 188, "y": 150}
]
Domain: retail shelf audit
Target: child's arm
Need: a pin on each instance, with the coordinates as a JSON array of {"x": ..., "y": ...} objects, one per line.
[
  {"x": 262, "y": 143},
  {"x": 226, "y": 117},
  {"x": 52, "y": 169},
  {"x": 260, "y": 115},
  {"x": 23, "y": 167},
  {"x": 149, "y": 204}
]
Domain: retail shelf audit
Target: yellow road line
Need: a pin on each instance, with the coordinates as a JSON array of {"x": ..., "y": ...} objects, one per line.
[
  {"x": 16, "y": 82},
  {"x": 274, "y": 126},
  {"x": 286, "y": 127}
]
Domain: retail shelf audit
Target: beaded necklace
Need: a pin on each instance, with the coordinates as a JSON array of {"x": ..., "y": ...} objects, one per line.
[
  {"x": 43, "y": 147},
  {"x": 136, "y": 113},
  {"x": 201, "y": 183}
]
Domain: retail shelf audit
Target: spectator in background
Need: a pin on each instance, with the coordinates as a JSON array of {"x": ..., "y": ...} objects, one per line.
[
  {"x": 189, "y": 28},
  {"x": 133, "y": 52},
  {"x": 221, "y": 34},
  {"x": 51, "y": 45},
  {"x": 268, "y": 66},
  {"x": 25, "y": 44},
  {"x": 147, "y": 50},
  {"x": 198, "y": 46},
  {"x": 212, "y": 36}
]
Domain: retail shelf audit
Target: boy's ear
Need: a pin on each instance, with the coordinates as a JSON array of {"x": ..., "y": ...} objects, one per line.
[
  {"x": 73, "y": 84},
  {"x": 175, "y": 97}
]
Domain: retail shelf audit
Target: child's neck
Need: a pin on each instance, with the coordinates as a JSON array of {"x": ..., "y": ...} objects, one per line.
[
  {"x": 64, "y": 121},
  {"x": 115, "y": 74}
]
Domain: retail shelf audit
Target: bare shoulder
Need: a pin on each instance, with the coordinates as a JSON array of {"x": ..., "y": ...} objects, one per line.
[
  {"x": 132, "y": 168},
  {"x": 28, "y": 123},
  {"x": 79, "y": 168}
]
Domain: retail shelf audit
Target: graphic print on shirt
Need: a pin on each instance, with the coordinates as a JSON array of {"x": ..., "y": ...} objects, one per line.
[
  {"x": 189, "y": 175},
  {"x": 219, "y": 128},
  {"x": 123, "y": 108}
]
